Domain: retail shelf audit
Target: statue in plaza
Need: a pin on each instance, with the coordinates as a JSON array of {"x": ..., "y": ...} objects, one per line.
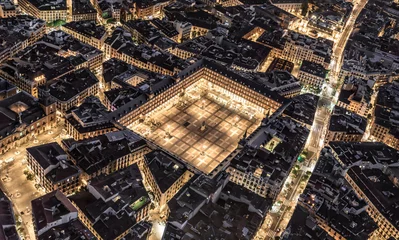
[{"x": 203, "y": 126}]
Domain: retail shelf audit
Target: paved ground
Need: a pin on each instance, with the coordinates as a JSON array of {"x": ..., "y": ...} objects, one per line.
[
  {"x": 16, "y": 186},
  {"x": 179, "y": 131}
]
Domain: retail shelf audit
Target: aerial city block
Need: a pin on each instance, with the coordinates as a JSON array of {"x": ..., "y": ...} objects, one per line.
[{"x": 199, "y": 119}]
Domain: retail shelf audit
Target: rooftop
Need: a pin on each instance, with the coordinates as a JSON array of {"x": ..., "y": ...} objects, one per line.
[
  {"x": 356, "y": 89},
  {"x": 18, "y": 111},
  {"x": 46, "y": 5},
  {"x": 72, "y": 84},
  {"x": 91, "y": 115},
  {"x": 94, "y": 154},
  {"x": 86, "y": 28},
  {"x": 165, "y": 169},
  {"x": 112, "y": 202},
  {"x": 343, "y": 120},
  {"x": 313, "y": 68},
  {"x": 54, "y": 162},
  {"x": 332, "y": 199},
  {"x": 50, "y": 208},
  {"x": 302, "y": 108}
]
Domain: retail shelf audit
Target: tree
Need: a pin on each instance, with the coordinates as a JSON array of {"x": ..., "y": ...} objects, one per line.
[{"x": 30, "y": 177}]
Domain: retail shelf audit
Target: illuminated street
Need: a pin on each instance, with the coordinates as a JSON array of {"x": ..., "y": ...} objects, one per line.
[
  {"x": 176, "y": 119},
  {"x": 316, "y": 138}
]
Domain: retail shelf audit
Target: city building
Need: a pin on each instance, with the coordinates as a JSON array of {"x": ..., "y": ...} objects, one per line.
[
  {"x": 83, "y": 10},
  {"x": 74, "y": 229},
  {"x": 291, "y": 6},
  {"x": 119, "y": 74},
  {"x": 112, "y": 204},
  {"x": 355, "y": 95},
  {"x": 345, "y": 126},
  {"x": 165, "y": 174},
  {"x": 71, "y": 89},
  {"x": 52, "y": 210},
  {"x": 167, "y": 29},
  {"x": 183, "y": 29},
  {"x": 279, "y": 81},
  {"x": 302, "y": 109},
  {"x": 53, "y": 56},
  {"x": 22, "y": 117},
  {"x": 240, "y": 54},
  {"x": 312, "y": 74},
  {"x": 235, "y": 213},
  {"x": 87, "y": 31},
  {"x": 117, "y": 40},
  {"x": 384, "y": 127},
  {"x": 147, "y": 9},
  {"x": 106, "y": 153},
  {"x": 8, "y": 228},
  {"x": 332, "y": 204},
  {"x": 24, "y": 32},
  {"x": 371, "y": 170},
  {"x": 200, "y": 20},
  {"x": 299, "y": 47},
  {"x": 281, "y": 64},
  {"x": 6, "y": 89},
  {"x": 140, "y": 231},
  {"x": 48, "y": 10},
  {"x": 88, "y": 120},
  {"x": 52, "y": 168},
  {"x": 268, "y": 155},
  {"x": 7, "y": 9},
  {"x": 145, "y": 57},
  {"x": 142, "y": 31}
]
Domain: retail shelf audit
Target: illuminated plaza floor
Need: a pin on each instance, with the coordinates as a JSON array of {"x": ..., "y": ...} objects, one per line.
[{"x": 179, "y": 131}]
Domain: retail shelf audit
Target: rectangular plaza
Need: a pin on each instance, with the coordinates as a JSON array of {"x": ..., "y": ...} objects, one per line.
[{"x": 202, "y": 133}]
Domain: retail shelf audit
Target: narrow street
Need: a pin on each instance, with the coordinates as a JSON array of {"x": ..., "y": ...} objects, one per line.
[{"x": 315, "y": 140}]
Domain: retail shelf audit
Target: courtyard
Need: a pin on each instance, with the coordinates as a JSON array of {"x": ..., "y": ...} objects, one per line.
[{"x": 200, "y": 131}]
